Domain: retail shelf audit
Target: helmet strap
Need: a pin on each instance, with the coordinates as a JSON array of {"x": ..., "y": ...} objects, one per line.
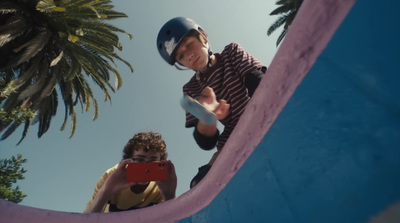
[
  {"x": 210, "y": 53},
  {"x": 180, "y": 67}
]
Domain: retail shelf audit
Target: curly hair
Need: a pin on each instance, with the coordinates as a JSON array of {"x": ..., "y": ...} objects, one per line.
[{"x": 147, "y": 141}]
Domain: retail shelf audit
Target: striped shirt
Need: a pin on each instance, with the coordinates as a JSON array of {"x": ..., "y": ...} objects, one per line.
[{"x": 226, "y": 78}]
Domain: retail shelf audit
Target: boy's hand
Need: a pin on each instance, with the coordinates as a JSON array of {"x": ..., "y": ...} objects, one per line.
[
  {"x": 209, "y": 101},
  {"x": 117, "y": 180},
  {"x": 168, "y": 186}
]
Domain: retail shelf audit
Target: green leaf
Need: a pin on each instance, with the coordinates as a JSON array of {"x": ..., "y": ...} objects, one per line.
[
  {"x": 57, "y": 59},
  {"x": 45, "y": 5}
]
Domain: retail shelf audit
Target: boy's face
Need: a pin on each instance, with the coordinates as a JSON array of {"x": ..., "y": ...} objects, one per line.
[
  {"x": 192, "y": 53},
  {"x": 141, "y": 156},
  {"x": 145, "y": 156}
]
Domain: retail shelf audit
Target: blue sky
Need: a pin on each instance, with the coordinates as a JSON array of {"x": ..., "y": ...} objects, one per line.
[{"x": 62, "y": 172}]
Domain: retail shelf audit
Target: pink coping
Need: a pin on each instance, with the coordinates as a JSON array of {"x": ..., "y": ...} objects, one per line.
[{"x": 314, "y": 26}]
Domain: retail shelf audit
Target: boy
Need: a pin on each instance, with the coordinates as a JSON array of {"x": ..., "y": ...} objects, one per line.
[
  {"x": 113, "y": 193},
  {"x": 223, "y": 82}
]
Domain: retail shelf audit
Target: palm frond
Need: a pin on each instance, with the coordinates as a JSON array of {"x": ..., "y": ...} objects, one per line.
[
  {"x": 57, "y": 59},
  {"x": 47, "y": 109},
  {"x": 96, "y": 105},
  {"x": 69, "y": 43},
  {"x": 118, "y": 78},
  {"x": 32, "y": 47},
  {"x": 66, "y": 93},
  {"x": 111, "y": 14},
  {"x": 96, "y": 45},
  {"x": 282, "y": 2},
  {"x": 25, "y": 131},
  {"x": 12, "y": 101},
  {"x": 278, "y": 23},
  {"x": 280, "y": 10},
  {"x": 7, "y": 7},
  {"x": 11, "y": 128},
  {"x": 281, "y": 36},
  {"x": 38, "y": 84},
  {"x": 74, "y": 68},
  {"x": 290, "y": 17},
  {"x": 46, "y": 6},
  {"x": 76, "y": 3},
  {"x": 81, "y": 95},
  {"x": 289, "y": 10},
  {"x": 82, "y": 91},
  {"x": 116, "y": 29},
  {"x": 49, "y": 87},
  {"x": 14, "y": 27},
  {"x": 25, "y": 76},
  {"x": 73, "y": 123},
  {"x": 88, "y": 63}
]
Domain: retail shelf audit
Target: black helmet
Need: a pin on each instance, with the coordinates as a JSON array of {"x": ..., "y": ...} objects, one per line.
[{"x": 171, "y": 34}]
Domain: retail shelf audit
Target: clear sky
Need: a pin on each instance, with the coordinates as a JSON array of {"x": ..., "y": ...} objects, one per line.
[{"x": 62, "y": 172}]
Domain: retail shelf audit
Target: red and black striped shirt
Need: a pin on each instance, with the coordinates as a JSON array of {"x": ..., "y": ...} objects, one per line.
[{"x": 226, "y": 78}]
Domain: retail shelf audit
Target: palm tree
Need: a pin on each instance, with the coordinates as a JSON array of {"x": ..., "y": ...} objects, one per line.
[
  {"x": 46, "y": 44},
  {"x": 289, "y": 10}
]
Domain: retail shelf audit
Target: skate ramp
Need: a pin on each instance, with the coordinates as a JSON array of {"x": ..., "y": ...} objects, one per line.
[{"x": 325, "y": 150}]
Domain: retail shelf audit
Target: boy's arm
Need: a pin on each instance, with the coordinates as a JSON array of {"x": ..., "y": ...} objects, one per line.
[
  {"x": 168, "y": 186},
  {"x": 99, "y": 201},
  {"x": 206, "y": 143},
  {"x": 252, "y": 80},
  {"x": 208, "y": 131},
  {"x": 220, "y": 109},
  {"x": 112, "y": 184}
]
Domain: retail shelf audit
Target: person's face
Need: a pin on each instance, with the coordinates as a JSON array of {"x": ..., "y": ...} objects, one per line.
[
  {"x": 141, "y": 156},
  {"x": 192, "y": 53}
]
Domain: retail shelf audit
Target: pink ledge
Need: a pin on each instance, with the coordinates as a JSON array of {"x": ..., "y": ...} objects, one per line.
[{"x": 314, "y": 26}]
